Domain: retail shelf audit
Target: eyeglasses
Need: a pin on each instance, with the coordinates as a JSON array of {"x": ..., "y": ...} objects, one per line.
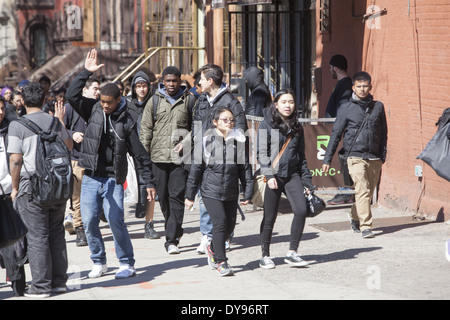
[{"x": 228, "y": 120}]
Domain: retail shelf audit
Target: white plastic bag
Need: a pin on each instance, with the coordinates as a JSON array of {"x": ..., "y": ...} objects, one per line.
[{"x": 131, "y": 193}]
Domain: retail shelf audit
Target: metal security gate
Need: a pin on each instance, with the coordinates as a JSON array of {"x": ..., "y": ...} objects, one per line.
[{"x": 272, "y": 41}]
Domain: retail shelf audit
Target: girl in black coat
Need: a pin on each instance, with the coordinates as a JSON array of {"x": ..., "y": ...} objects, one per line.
[
  {"x": 290, "y": 175},
  {"x": 225, "y": 162}
]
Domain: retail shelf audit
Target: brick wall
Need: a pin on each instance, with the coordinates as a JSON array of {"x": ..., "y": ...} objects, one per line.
[{"x": 407, "y": 52}]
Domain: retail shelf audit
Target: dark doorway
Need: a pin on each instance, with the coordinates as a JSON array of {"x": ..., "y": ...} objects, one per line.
[{"x": 275, "y": 41}]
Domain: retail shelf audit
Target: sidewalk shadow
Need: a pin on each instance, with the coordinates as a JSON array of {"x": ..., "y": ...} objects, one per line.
[
  {"x": 254, "y": 240},
  {"x": 144, "y": 274},
  {"x": 347, "y": 254},
  {"x": 395, "y": 228},
  {"x": 315, "y": 259}
]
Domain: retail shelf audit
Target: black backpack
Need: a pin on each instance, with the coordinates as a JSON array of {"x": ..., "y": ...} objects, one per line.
[{"x": 52, "y": 182}]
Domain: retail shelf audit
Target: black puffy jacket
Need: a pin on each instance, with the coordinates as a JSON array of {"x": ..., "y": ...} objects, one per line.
[
  {"x": 372, "y": 140},
  {"x": 225, "y": 162},
  {"x": 293, "y": 160},
  {"x": 117, "y": 129}
]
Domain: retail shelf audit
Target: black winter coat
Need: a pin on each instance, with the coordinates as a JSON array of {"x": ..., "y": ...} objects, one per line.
[
  {"x": 120, "y": 128},
  {"x": 372, "y": 140},
  {"x": 225, "y": 162},
  {"x": 203, "y": 110},
  {"x": 293, "y": 160}
]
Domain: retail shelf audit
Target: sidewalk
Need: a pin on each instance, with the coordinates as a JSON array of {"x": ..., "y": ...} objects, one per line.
[{"x": 406, "y": 260}]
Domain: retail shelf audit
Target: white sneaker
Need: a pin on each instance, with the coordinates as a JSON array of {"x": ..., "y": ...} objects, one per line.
[
  {"x": 201, "y": 249},
  {"x": 68, "y": 224},
  {"x": 36, "y": 295},
  {"x": 294, "y": 260},
  {"x": 447, "y": 250},
  {"x": 125, "y": 271},
  {"x": 266, "y": 263},
  {"x": 172, "y": 249},
  {"x": 98, "y": 270},
  {"x": 228, "y": 245}
]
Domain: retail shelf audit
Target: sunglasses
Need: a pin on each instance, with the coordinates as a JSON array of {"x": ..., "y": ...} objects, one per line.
[{"x": 228, "y": 120}]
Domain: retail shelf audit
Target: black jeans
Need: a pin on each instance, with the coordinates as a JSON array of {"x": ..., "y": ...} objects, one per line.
[
  {"x": 170, "y": 187},
  {"x": 293, "y": 188},
  {"x": 47, "y": 252},
  {"x": 223, "y": 216}
]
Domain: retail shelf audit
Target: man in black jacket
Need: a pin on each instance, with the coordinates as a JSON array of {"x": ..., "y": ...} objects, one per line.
[
  {"x": 110, "y": 134},
  {"x": 342, "y": 92},
  {"x": 368, "y": 152},
  {"x": 76, "y": 126}
]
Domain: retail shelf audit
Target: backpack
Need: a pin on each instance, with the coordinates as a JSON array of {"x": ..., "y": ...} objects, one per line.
[{"x": 52, "y": 182}]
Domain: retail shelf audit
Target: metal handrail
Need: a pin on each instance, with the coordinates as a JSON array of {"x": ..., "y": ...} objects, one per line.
[{"x": 147, "y": 55}]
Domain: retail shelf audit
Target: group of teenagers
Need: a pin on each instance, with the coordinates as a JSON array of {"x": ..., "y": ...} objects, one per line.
[{"x": 182, "y": 148}]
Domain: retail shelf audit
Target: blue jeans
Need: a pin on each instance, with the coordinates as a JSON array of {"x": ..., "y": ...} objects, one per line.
[
  {"x": 104, "y": 193},
  {"x": 206, "y": 224}
]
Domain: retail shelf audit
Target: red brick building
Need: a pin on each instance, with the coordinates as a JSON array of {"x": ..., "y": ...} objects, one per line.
[{"x": 405, "y": 46}]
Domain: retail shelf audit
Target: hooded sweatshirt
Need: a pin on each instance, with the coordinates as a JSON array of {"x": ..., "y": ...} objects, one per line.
[
  {"x": 260, "y": 94},
  {"x": 135, "y": 108}
]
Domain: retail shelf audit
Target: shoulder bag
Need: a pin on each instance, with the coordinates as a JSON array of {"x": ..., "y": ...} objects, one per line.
[
  {"x": 12, "y": 228},
  {"x": 343, "y": 155},
  {"x": 259, "y": 186}
]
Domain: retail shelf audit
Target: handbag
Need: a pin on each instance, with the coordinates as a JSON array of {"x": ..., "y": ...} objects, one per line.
[
  {"x": 12, "y": 228},
  {"x": 343, "y": 155},
  {"x": 437, "y": 153},
  {"x": 260, "y": 182},
  {"x": 314, "y": 204}
]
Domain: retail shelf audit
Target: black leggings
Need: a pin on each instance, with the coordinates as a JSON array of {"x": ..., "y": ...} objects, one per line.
[
  {"x": 223, "y": 216},
  {"x": 293, "y": 188}
]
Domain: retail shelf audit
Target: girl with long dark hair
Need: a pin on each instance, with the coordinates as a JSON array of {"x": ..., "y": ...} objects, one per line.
[{"x": 288, "y": 174}]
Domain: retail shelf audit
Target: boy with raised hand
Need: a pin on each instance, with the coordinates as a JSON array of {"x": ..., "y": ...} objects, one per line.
[{"x": 110, "y": 134}]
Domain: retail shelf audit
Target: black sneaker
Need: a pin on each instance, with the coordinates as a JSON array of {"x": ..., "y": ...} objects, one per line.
[
  {"x": 340, "y": 199},
  {"x": 366, "y": 234},
  {"x": 81, "y": 240},
  {"x": 355, "y": 226}
]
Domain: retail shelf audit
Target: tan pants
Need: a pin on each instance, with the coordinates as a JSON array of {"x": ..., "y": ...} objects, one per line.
[
  {"x": 365, "y": 175},
  {"x": 78, "y": 176}
]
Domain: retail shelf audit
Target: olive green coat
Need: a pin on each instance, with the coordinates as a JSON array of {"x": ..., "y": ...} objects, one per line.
[{"x": 162, "y": 133}]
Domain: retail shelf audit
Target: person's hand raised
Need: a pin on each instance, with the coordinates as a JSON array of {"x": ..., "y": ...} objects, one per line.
[{"x": 91, "y": 62}]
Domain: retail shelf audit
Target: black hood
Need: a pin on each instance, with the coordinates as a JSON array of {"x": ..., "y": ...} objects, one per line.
[
  {"x": 363, "y": 103},
  {"x": 140, "y": 74},
  {"x": 254, "y": 77}
]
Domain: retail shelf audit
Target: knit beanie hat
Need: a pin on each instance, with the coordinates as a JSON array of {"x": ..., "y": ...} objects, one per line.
[
  {"x": 139, "y": 79},
  {"x": 339, "y": 61}
]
